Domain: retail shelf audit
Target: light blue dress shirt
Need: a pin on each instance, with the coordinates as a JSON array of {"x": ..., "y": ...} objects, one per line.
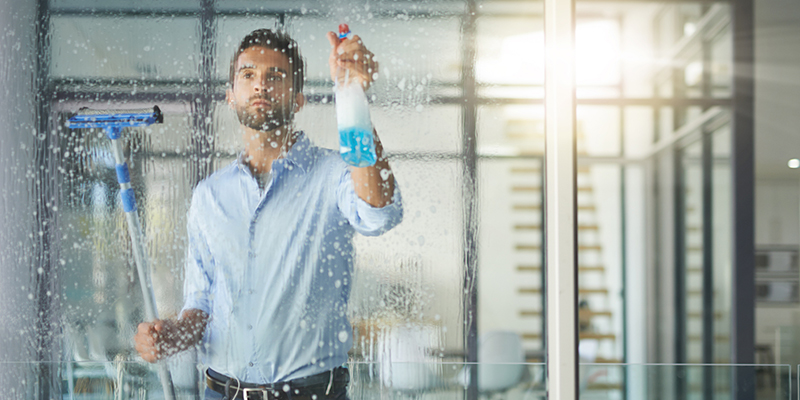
[{"x": 273, "y": 268}]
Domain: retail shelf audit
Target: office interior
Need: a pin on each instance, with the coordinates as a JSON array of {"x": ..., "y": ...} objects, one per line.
[{"x": 686, "y": 181}]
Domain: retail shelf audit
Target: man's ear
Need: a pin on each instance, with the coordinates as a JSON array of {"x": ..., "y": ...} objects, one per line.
[
  {"x": 229, "y": 98},
  {"x": 299, "y": 101}
]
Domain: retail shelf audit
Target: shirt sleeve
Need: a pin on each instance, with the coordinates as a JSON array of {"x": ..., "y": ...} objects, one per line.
[
  {"x": 366, "y": 219},
  {"x": 199, "y": 263}
]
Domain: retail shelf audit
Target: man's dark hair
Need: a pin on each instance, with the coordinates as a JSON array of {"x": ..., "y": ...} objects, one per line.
[{"x": 280, "y": 41}]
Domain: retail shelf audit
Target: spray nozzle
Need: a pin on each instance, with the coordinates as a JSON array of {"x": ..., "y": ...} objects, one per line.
[{"x": 344, "y": 30}]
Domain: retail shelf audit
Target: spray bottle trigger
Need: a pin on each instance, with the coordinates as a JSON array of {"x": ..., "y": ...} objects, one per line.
[{"x": 344, "y": 30}]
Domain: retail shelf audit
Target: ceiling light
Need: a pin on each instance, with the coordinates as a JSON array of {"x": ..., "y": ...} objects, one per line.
[{"x": 794, "y": 163}]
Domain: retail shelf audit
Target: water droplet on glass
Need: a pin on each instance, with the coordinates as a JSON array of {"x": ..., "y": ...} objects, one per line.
[{"x": 343, "y": 336}]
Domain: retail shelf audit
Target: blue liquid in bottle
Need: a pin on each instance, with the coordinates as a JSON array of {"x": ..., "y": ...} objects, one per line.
[
  {"x": 357, "y": 146},
  {"x": 356, "y": 140}
]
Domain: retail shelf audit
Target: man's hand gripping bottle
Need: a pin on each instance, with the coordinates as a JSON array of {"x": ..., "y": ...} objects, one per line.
[{"x": 356, "y": 140}]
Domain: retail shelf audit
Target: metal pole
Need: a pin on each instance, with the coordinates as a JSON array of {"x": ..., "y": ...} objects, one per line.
[
  {"x": 203, "y": 106},
  {"x": 137, "y": 247},
  {"x": 560, "y": 186},
  {"x": 623, "y": 222},
  {"x": 47, "y": 382},
  {"x": 470, "y": 194},
  {"x": 708, "y": 227},
  {"x": 679, "y": 273},
  {"x": 679, "y": 199},
  {"x": 743, "y": 213}
]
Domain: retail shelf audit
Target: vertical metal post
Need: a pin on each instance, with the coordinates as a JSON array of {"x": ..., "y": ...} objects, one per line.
[
  {"x": 470, "y": 192},
  {"x": 708, "y": 265},
  {"x": 202, "y": 107},
  {"x": 743, "y": 182},
  {"x": 654, "y": 352},
  {"x": 623, "y": 221},
  {"x": 708, "y": 228},
  {"x": 543, "y": 259},
  {"x": 47, "y": 382},
  {"x": 560, "y": 186},
  {"x": 679, "y": 196},
  {"x": 678, "y": 119}
]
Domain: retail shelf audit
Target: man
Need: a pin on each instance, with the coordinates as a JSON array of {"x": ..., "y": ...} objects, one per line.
[{"x": 270, "y": 258}]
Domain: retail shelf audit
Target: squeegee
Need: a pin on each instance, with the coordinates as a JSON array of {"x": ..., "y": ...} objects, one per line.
[{"x": 113, "y": 122}]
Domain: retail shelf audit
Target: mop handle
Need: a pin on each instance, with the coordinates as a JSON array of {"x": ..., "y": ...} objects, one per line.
[{"x": 137, "y": 242}]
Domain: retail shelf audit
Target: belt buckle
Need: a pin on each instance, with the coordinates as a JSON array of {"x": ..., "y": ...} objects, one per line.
[{"x": 264, "y": 394}]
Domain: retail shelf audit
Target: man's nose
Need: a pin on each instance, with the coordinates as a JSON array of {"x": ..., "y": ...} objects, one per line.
[{"x": 261, "y": 86}]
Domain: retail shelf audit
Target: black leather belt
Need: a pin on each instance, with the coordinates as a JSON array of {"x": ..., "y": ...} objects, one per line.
[{"x": 321, "y": 385}]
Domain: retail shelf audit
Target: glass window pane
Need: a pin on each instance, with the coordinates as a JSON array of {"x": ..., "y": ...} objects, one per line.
[
  {"x": 121, "y": 49},
  {"x": 600, "y": 314},
  {"x": 598, "y": 130},
  {"x": 510, "y": 54},
  {"x": 510, "y": 130},
  {"x": 639, "y": 131},
  {"x": 722, "y": 201},
  {"x": 510, "y": 250},
  {"x": 412, "y": 277}
]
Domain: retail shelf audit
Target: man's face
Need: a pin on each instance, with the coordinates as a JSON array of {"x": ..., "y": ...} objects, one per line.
[{"x": 262, "y": 94}]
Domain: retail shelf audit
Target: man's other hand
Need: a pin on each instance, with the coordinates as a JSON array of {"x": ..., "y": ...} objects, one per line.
[
  {"x": 149, "y": 340},
  {"x": 165, "y": 337},
  {"x": 351, "y": 55}
]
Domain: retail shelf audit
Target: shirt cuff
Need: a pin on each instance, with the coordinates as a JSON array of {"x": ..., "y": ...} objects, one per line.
[{"x": 373, "y": 221}]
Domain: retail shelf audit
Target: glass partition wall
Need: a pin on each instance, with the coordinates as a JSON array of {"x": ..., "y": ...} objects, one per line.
[{"x": 459, "y": 107}]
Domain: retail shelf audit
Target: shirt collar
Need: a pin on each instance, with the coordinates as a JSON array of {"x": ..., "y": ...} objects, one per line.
[{"x": 300, "y": 154}]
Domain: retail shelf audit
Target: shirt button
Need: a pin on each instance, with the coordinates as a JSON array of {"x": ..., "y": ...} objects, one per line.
[
  {"x": 249, "y": 327},
  {"x": 251, "y": 364},
  {"x": 250, "y": 291}
]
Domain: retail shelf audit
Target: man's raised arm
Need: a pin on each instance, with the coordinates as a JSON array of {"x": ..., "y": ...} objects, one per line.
[{"x": 374, "y": 184}]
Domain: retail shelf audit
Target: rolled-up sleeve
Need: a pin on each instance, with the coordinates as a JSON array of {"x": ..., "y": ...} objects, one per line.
[
  {"x": 366, "y": 219},
  {"x": 197, "y": 279}
]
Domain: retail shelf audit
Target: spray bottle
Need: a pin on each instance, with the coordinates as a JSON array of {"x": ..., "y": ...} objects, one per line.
[{"x": 356, "y": 140}]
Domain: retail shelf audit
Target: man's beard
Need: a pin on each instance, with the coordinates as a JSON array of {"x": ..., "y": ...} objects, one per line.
[{"x": 265, "y": 120}]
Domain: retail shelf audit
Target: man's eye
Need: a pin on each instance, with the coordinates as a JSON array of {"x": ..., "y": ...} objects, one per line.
[{"x": 247, "y": 75}]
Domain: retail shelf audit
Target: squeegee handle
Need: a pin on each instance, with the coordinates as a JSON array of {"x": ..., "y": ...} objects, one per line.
[
  {"x": 134, "y": 226},
  {"x": 137, "y": 246}
]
